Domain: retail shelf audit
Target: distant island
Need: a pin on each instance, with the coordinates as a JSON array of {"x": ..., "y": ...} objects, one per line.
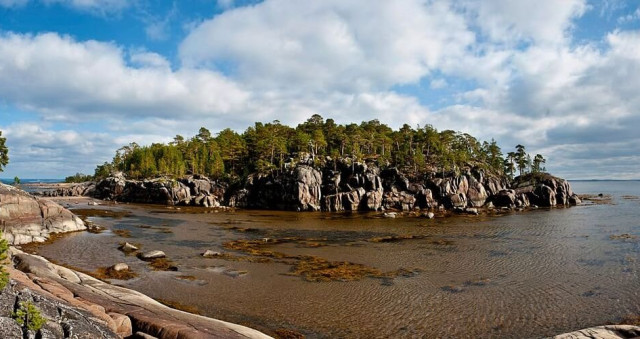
[{"x": 321, "y": 165}]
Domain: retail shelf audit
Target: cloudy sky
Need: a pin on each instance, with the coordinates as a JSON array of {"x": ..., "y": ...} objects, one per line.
[{"x": 80, "y": 78}]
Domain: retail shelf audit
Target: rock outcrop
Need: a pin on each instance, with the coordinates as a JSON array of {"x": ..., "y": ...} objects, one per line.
[
  {"x": 539, "y": 189},
  {"x": 192, "y": 190},
  {"x": 342, "y": 186},
  {"x": 70, "y": 190},
  {"x": 25, "y": 218},
  {"x": 79, "y": 306}
]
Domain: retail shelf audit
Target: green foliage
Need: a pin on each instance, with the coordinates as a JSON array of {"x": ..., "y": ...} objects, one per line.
[
  {"x": 28, "y": 316},
  {"x": 265, "y": 147},
  {"x": 4, "y": 276},
  {"x": 4, "y": 153},
  {"x": 16, "y": 181},
  {"x": 521, "y": 160},
  {"x": 78, "y": 177},
  {"x": 537, "y": 166}
]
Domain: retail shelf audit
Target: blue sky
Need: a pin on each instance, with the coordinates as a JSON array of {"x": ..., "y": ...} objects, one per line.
[{"x": 81, "y": 78}]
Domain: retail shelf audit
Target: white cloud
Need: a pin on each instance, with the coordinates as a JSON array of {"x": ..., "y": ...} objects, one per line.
[
  {"x": 332, "y": 44},
  {"x": 58, "y": 76},
  {"x": 542, "y": 21}
]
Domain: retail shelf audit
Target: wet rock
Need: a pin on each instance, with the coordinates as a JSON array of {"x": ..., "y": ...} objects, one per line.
[
  {"x": 119, "y": 267},
  {"x": 391, "y": 215},
  {"x": 472, "y": 211},
  {"x": 211, "y": 254},
  {"x": 127, "y": 247},
  {"x": 574, "y": 200},
  {"x": 428, "y": 215},
  {"x": 156, "y": 254}
]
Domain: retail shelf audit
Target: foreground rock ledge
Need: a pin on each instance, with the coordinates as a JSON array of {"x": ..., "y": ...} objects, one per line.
[
  {"x": 109, "y": 303},
  {"x": 603, "y": 332}
]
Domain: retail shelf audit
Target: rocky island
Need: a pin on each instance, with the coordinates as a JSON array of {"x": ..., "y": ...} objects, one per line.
[{"x": 322, "y": 166}]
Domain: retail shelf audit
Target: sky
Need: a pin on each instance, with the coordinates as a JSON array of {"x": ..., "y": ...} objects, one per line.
[{"x": 81, "y": 78}]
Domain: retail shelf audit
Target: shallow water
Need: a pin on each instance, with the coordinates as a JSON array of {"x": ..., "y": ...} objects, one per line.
[{"x": 527, "y": 274}]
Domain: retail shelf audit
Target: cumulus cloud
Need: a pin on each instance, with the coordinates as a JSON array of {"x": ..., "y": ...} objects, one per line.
[
  {"x": 58, "y": 76},
  {"x": 542, "y": 21},
  {"x": 332, "y": 44}
]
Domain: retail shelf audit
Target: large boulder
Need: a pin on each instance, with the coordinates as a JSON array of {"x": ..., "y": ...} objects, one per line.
[
  {"x": 308, "y": 188},
  {"x": 25, "y": 218},
  {"x": 476, "y": 193}
]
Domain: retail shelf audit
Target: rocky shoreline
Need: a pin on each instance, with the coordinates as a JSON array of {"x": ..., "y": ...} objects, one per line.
[
  {"x": 357, "y": 187},
  {"x": 79, "y": 306},
  {"x": 76, "y": 305}
]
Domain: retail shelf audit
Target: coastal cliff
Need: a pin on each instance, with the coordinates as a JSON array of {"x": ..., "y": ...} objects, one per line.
[{"x": 340, "y": 187}]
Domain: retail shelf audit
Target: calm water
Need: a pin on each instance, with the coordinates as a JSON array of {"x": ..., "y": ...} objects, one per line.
[{"x": 529, "y": 274}]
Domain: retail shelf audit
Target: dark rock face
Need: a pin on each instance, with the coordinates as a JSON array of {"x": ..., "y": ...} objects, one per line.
[
  {"x": 298, "y": 189},
  {"x": 25, "y": 218},
  {"x": 193, "y": 190},
  {"x": 345, "y": 186},
  {"x": 543, "y": 190}
]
